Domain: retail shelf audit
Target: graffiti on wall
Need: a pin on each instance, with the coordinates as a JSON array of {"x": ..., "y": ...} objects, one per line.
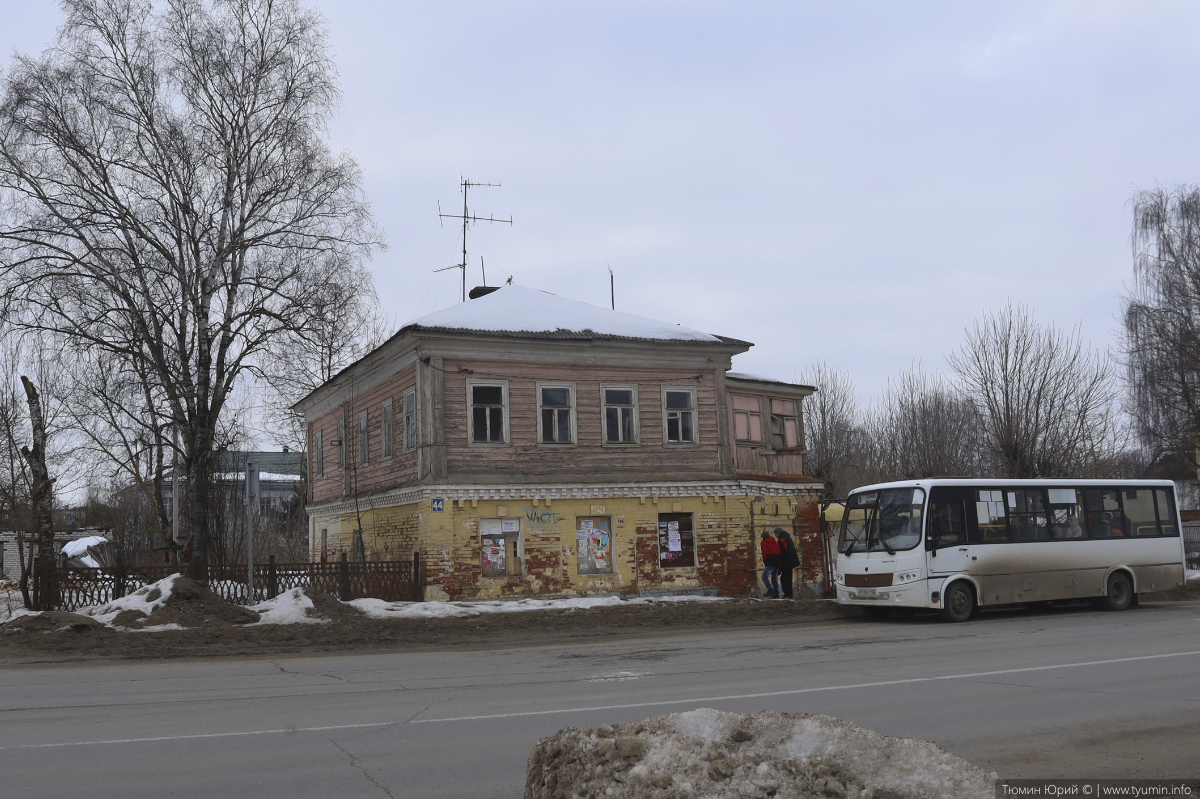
[{"x": 543, "y": 520}]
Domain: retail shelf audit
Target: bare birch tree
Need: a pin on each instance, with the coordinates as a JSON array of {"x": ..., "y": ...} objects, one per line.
[
  {"x": 1162, "y": 324},
  {"x": 1046, "y": 405},
  {"x": 167, "y": 197},
  {"x": 833, "y": 431}
]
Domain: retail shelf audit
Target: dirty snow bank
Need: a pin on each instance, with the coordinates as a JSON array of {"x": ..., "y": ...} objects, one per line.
[
  {"x": 379, "y": 609},
  {"x": 290, "y": 607},
  {"x": 144, "y": 601},
  {"x": 708, "y": 753}
]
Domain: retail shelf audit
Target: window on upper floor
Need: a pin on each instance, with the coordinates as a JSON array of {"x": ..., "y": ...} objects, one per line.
[
  {"x": 318, "y": 449},
  {"x": 488, "y": 412},
  {"x": 679, "y": 411},
  {"x": 364, "y": 438},
  {"x": 785, "y": 424},
  {"x": 556, "y": 414},
  {"x": 341, "y": 444},
  {"x": 410, "y": 420},
  {"x": 620, "y": 414},
  {"x": 747, "y": 418},
  {"x": 385, "y": 412}
]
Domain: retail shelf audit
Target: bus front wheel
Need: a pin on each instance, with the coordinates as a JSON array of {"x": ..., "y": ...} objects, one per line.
[
  {"x": 1120, "y": 592},
  {"x": 959, "y": 603}
]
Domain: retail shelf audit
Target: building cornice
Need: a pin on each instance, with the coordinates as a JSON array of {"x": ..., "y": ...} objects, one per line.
[{"x": 567, "y": 491}]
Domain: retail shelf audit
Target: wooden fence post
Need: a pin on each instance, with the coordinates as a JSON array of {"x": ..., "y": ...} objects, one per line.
[
  {"x": 272, "y": 579},
  {"x": 344, "y": 579},
  {"x": 416, "y": 577}
]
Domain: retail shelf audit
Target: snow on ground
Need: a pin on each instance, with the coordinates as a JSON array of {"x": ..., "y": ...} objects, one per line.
[
  {"x": 1193, "y": 574},
  {"x": 139, "y": 600},
  {"x": 379, "y": 609},
  {"x": 710, "y": 753},
  {"x": 290, "y": 607}
]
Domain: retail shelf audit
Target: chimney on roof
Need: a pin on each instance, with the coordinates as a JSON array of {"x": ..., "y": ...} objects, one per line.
[{"x": 480, "y": 291}]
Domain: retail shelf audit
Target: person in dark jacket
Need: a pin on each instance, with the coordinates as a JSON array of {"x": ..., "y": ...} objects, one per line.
[
  {"x": 789, "y": 559},
  {"x": 771, "y": 560}
]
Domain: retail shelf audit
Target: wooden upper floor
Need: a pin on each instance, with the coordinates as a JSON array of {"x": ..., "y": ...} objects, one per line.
[{"x": 444, "y": 403}]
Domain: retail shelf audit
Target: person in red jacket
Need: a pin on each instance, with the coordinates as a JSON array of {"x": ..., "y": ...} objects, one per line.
[{"x": 771, "y": 561}]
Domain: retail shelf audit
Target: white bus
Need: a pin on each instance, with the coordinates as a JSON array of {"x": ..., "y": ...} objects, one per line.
[{"x": 957, "y": 545}]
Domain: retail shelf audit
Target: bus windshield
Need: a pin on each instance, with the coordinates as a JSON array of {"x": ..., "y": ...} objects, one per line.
[{"x": 888, "y": 520}]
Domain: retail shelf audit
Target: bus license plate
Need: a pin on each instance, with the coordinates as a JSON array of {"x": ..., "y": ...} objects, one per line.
[{"x": 865, "y": 593}]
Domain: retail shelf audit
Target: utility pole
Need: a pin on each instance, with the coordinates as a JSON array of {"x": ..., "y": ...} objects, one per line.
[
  {"x": 467, "y": 218},
  {"x": 251, "y": 502}
]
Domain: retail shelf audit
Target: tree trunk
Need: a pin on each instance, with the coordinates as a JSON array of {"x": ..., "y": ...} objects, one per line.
[
  {"x": 200, "y": 466},
  {"x": 41, "y": 497}
]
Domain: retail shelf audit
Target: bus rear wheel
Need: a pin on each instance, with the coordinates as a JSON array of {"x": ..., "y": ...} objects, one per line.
[
  {"x": 1120, "y": 592},
  {"x": 959, "y": 603}
]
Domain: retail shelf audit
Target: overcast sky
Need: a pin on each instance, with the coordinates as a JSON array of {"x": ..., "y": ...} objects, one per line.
[{"x": 852, "y": 182}]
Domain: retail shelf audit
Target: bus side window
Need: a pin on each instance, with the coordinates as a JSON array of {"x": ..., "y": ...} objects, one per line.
[
  {"x": 1104, "y": 512},
  {"x": 1066, "y": 513},
  {"x": 947, "y": 524},
  {"x": 990, "y": 516},
  {"x": 1026, "y": 514},
  {"x": 1166, "y": 511},
  {"x": 1139, "y": 511}
]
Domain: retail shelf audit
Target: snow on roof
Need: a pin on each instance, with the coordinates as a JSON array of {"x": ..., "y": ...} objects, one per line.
[
  {"x": 761, "y": 379},
  {"x": 531, "y": 313},
  {"x": 79, "y": 547}
]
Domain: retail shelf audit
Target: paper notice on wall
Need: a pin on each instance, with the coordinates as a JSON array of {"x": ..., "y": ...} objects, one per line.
[
  {"x": 582, "y": 534},
  {"x": 674, "y": 539},
  {"x": 586, "y": 524},
  {"x": 511, "y": 525}
]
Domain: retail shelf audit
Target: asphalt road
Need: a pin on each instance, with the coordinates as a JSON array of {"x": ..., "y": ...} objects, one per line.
[{"x": 1073, "y": 693}]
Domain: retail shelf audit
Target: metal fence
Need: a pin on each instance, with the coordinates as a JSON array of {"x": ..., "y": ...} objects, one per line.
[
  {"x": 1191, "y": 545},
  {"x": 388, "y": 580}
]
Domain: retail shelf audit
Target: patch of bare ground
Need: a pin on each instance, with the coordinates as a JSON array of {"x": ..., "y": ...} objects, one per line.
[{"x": 352, "y": 631}]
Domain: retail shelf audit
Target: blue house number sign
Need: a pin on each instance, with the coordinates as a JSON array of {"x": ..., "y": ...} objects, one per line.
[{"x": 439, "y": 505}]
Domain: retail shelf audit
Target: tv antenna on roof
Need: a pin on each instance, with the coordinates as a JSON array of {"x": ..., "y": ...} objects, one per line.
[{"x": 467, "y": 218}]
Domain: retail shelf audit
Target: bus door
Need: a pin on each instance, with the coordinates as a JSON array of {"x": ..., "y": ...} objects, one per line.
[{"x": 947, "y": 549}]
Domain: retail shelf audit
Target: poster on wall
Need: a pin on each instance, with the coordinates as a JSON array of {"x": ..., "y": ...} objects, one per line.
[
  {"x": 510, "y": 525},
  {"x": 674, "y": 540},
  {"x": 493, "y": 557}
]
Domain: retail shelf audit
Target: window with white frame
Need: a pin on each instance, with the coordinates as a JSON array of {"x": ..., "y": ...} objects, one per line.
[
  {"x": 556, "y": 414},
  {"x": 410, "y": 420},
  {"x": 620, "y": 414},
  {"x": 747, "y": 418},
  {"x": 785, "y": 424},
  {"x": 488, "y": 412},
  {"x": 318, "y": 449},
  {"x": 385, "y": 413},
  {"x": 364, "y": 438},
  {"x": 341, "y": 443},
  {"x": 680, "y": 413}
]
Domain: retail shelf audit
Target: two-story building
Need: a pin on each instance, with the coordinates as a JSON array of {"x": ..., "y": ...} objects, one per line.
[{"x": 527, "y": 444}]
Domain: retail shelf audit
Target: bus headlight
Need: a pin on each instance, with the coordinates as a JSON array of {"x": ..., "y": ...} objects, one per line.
[{"x": 906, "y": 577}]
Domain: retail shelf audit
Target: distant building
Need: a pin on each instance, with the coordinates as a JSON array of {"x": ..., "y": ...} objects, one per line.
[
  {"x": 281, "y": 476},
  {"x": 527, "y": 444}
]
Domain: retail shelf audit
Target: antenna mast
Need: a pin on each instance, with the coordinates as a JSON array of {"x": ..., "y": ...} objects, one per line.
[{"x": 467, "y": 218}]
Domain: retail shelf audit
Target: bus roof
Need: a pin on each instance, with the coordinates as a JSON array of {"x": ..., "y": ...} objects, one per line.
[{"x": 968, "y": 482}]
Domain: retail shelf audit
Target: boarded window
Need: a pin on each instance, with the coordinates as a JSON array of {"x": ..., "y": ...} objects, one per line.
[
  {"x": 593, "y": 544},
  {"x": 410, "y": 420},
  {"x": 619, "y": 424},
  {"x": 341, "y": 444},
  {"x": 500, "y": 547},
  {"x": 487, "y": 414},
  {"x": 747, "y": 418},
  {"x": 785, "y": 426},
  {"x": 681, "y": 416},
  {"x": 386, "y": 415},
  {"x": 676, "y": 542}
]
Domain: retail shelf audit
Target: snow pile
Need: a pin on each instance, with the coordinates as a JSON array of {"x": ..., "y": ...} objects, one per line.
[
  {"x": 709, "y": 753},
  {"x": 290, "y": 607},
  {"x": 141, "y": 602},
  {"x": 521, "y": 310},
  {"x": 379, "y": 609}
]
